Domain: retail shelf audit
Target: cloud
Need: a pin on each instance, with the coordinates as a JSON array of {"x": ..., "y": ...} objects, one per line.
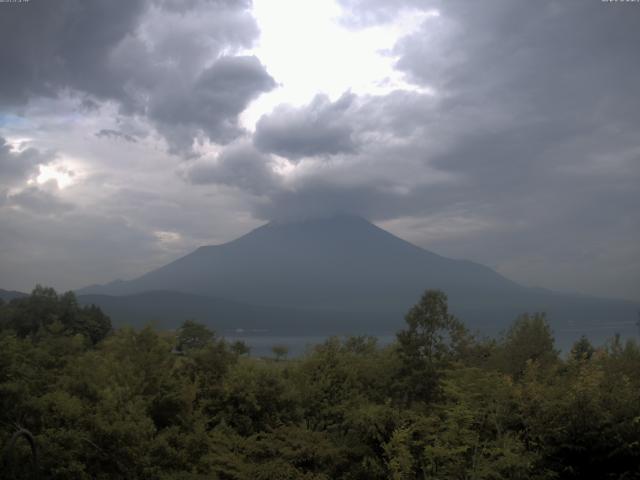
[
  {"x": 320, "y": 128},
  {"x": 185, "y": 5},
  {"x": 39, "y": 199},
  {"x": 72, "y": 250},
  {"x": 115, "y": 134},
  {"x": 103, "y": 225},
  {"x": 515, "y": 141},
  {"x": 212, "y": 104},
  {"x": 365, "y": 13},
  {"x": 18, "y": 188},
  {"x": 172, "y": 60},
  {"x": 319, "y": 198},
  {"x": 65, "y": 44},
  {"x": 530, "y": 135},
  {"x": 376, "y": 166},
  {"x": 17, "y": 166},
  {"x": 240, "y": 166}
]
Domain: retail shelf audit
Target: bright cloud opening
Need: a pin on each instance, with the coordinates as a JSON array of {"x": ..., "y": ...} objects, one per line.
[
  {"x": 308, "y": 52},
  {"x": 59, "y": 173}
]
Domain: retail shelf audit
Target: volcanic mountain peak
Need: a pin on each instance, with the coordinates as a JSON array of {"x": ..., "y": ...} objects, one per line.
[
  {"x": 341, "y": 270},
  {"x": 330, "y": 262}
]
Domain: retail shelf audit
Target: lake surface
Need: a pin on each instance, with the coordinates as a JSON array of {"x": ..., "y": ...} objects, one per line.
[
  {"x": 298, "y": 345},
  {"x": 261, "y": 342}
]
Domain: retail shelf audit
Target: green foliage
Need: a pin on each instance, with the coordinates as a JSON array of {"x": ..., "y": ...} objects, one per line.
[
  {"x": 582, "y": 350},
  {"x": 193, "y": 335},
  {"x": 528, "y": 340},
  {"x": 428, "y": 345},
  {"x": 142, "y": 404},
  {"x": 45, "y": 312},
  {"x": 240, "y": 348}
]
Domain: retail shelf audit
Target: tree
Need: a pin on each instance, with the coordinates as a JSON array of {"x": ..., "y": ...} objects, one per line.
[
  {"x": 133, "y": 409},
  {"x": 429, "y": 343},
  {"x": 45, "y": 312},
  {"x": 240, "y": 348},
  {"x": 193, "y": 335},
  {"x": 529, "y": 339},
  {"x": 28, "y": 315},
  {"x": 582, "y": 350}
]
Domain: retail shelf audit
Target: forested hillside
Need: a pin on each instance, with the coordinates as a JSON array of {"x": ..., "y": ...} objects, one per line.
[{"x": 437, "y": 403}]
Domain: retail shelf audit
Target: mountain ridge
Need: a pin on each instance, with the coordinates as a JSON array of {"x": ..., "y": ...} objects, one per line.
[
  {"x": 344, "y": 265},
  {"x": 354, "y": 261},
  {"x": 8, "y": 295},
  {"x": 168, "y": 309}
]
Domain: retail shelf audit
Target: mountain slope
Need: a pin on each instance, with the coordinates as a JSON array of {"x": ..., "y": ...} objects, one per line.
[
  {"x": 346, "y": 266},
  {"x": 8, "y": 295},
  {"x": 166, "y": 309},
  {"x": 341, "y": 262}
]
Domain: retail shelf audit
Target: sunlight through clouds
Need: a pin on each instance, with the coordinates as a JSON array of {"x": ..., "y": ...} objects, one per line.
[
  {"x": 493, "y": 131},
  {"x": 308, "y": 51},
  {"x": 59, "y": 174}
]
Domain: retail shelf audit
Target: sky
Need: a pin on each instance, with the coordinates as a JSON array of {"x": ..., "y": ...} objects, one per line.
[{"x": 502, "y": 131}]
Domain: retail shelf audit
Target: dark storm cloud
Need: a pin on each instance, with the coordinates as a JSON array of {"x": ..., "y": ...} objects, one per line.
[
  {"x": 156, "y": 57},
  {"x": 238, "y": 166},
  {"x": 563, "y": 59},
  {"x": 366, "y": 155},
  {"x": 212, "y": 104},
  {"x": 320, "y": 128},
  {"x": 48, "y": 46},
  {"x": 552, "y": 88}
]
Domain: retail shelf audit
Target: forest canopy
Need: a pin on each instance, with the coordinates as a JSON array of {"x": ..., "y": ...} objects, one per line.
[{"x": 439, "y": 402}]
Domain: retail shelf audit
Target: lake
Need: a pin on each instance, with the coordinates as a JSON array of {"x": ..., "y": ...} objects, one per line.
[{"x": 261, "y": 344}]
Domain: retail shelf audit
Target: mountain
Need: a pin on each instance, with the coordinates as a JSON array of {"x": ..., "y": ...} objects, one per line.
[
  {"x": 340, "y": 262},
  {"x": 346, "y": 267},
  {"x": 8, "y": 295},
  {"x": 167, "y": 309}
]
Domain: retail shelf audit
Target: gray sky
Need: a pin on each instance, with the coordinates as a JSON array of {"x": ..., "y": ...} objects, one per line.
[{"x": 505, "y": 132}]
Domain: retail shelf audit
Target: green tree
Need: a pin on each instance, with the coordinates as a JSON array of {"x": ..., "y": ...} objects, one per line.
[
  {"x": 529, "y": 339},
  {"x": 193, "y": 335},
  {"x": 240, "y": 348},
  {"x": 582, "y": 350},
  {"x": 44, "y": 312},
  {"x": 255, "y": 397},
  {"x": 399, "y": 456},
  {"x": 128, "y": 407},
  {"x": 426, "y": 347}
]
